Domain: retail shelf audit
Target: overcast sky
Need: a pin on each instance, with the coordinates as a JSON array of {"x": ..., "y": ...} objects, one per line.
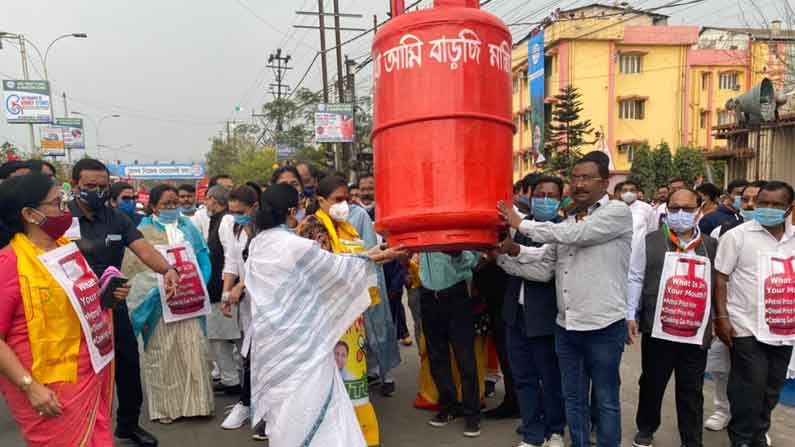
[{"x": 175, "y": 69}]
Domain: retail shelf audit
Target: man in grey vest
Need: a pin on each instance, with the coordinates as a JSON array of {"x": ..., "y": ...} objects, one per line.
[{"x": 661, "y": 358}]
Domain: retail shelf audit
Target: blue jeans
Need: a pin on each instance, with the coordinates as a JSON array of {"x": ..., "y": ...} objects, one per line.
[
  {"x": 536, "y": 376},
  {"x": 592, "y": 357}
]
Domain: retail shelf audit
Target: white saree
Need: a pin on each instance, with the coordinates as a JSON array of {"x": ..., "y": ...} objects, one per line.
[{"x": 303, "y": 300}]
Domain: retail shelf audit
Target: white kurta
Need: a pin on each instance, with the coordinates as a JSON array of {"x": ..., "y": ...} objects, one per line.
[{"x": 304, "y": 299}]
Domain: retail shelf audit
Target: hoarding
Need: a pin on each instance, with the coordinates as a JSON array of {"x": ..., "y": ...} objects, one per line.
[
  {"x": 73, "y": 136},
  {"x": 334, "y": 123},
  {"x": 52, "y": 143},
  {"x": 26, "y": 102},
  {"x": 537, "y": 94}
]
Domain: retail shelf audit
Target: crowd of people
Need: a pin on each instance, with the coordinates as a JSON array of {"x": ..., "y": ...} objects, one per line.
[{"x": 306, "y": 315}]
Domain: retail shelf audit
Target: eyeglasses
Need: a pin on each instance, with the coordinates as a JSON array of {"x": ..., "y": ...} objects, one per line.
[
  {"x": 676, "y": 209},
  {"x": 583, "y": 179}
]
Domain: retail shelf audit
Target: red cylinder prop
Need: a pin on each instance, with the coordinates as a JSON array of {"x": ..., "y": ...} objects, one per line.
[{"x": 443, "y": 130}]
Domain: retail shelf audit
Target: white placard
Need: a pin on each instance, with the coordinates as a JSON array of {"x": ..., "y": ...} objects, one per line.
[
  {"x": 68, "y": 266},
  {"x": 73, "y": 233},
  {"x": 776, "y": 297},
  {"x": 684, "y": 299},
  {"x": 191, "y": 299}
]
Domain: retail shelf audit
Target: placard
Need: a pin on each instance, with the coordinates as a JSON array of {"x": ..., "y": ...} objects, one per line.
[
  {"x": 776, "y": 297},
  {"x": 68, "y": 266},
  {"x": 684, "y": 300},
  {"x": 334, "y": 123},
  {"x": 73, "y": 136},
  {"x": 27, "y": 102},
  {"x": 191, "y": 299},
  {"x": 52, "y": 141}
]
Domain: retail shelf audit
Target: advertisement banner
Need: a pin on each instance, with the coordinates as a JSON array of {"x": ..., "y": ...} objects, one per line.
[
  {"x": 159, "y": 172},
  {"x": 52, "y": 143},
  {"x": 537, "y": 95},
  {"x": 776, "y": 315},
  {"x": 285, "y": 151},
  {"x": 73, "y": 137},
  {"x": 191, "y": 299},
  {"x": 70, "y": 269},
  {"x": 27, "y": 102},
  {"x": 334, "y": 123},
  {"x": 684, "y": 299}
]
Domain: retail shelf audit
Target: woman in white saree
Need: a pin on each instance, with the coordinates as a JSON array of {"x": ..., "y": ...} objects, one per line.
[{"x": 303, "y": 300}]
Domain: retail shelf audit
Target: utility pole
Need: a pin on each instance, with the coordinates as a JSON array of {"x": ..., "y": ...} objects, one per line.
[
  {"x": 279, "y": 69},
  {"x": 26, "y": 75},
  {"x": 65, "y": 108},
  {"x": 323, "y": 50},
  {"x": 351, "y": 153}
]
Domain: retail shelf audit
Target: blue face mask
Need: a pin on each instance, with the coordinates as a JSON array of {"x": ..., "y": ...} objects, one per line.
[
  {"x": 681, "y": 222},
  {"x": 166, "y": 217},
  {"x": 127, "y": 207},
  {"x": 770, "y": 217},
  {"x": 242, "y": 219},
  {"x": 545, "y": 209},
  {"x": 738, "y": 203},
  {"x": 748, "y": 215},
  {"x": 188, "y": 209},
  {"x": 309, "y": 192}
]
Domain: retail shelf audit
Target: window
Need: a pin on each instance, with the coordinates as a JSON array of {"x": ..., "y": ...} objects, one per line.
[
  {"x": 728, "y": 81},
  {"x": 725, "y": 117},
  {"x": 632, "y": 110},
  {"x": 516, "y": 83},
  {"x": 628, "y": 149},
  {"x": 705, "y": 78},
  {"x": 704, "y": 119},
  {"x": 630, "y": 63}
]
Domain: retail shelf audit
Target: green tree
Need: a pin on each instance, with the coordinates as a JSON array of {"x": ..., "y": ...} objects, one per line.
[
  {"x": 644, "y": 169},
  {"x": 689, "y": 164},
  {"x": 566, "y": 134},
  {"x": 222, "y": 157},
  {"x": 255, "y": 164},
  {"x": 663, "y": 165},
  {"x": 8, "y": 151}
]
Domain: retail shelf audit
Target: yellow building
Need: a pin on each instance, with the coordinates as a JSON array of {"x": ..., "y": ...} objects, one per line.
[{"x": 522, "y": 139}]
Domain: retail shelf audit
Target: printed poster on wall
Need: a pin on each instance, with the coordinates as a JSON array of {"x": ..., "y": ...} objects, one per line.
[
  {"x": 537, "y": 94},
  {"x": 684, "y": 300},
  {"x": 70, "y": 269},
  {"x": 776, "y": 292},
  {"x": 52, "y": 143},
  {"x": 334, "y": 123},
  {"x": 191, "y": 299},
  {"x": 26, "y": 102}
]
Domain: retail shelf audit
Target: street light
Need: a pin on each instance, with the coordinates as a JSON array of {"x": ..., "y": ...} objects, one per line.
[{"x": 97, "y": 124}]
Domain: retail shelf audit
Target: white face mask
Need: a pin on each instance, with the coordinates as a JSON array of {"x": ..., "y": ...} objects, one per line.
[
  {"x": 629, "y": 197},
  {"x": 340, "y": 211}
]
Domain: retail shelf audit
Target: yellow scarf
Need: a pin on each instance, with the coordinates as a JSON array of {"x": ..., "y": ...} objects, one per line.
[
  {"x": 345, "y": 239},
  {"x": 53, "y": 327}
]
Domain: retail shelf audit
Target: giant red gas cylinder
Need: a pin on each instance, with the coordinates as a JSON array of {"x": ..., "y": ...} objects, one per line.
[
  {"x": 684, "y": 301},
  {"x": 780, "y": 299},
  {"x": 442, "y": 126}
]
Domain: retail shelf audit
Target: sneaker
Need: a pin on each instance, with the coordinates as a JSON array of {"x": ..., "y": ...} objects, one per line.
[
  {"x": 503, "y": 411},
  {"x": 443, "y": 418},
  {"x": 524, "y": 444},
  {"x": 165, "y": 421},
  {"x": 259, "y": 432},
  {"x": 472, "y": 428},
  {"x": 556, "y": 440},
  {"x": 373, "y": 380},
  {"x": 643, "y": 440},
  {"x": 593, "y": 437},
  {"x": 769, "y": 442},
  {"x": 491, "y": 388},
  {"x": 237, "y": 417},
  {"x": 717, "y": 422},
  {"x": 388, "y": 389}
]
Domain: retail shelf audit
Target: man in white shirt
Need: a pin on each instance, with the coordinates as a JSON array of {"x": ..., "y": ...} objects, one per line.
[
  {"x": 588, "y": 255},
  {"x": 758, "y": 365},
  {"x": 644, "y": 217},
  {"x": 201, "y": 218}
]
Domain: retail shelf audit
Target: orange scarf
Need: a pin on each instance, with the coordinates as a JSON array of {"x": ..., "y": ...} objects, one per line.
[{"x": 53, "y": 327}]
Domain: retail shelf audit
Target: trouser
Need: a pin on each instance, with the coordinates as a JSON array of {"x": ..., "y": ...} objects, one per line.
[
  {"x": 447, "y": 321},
  {"x": 592, "y": 357},
  {"x": 127, "y": 369},
  {"x": 399, "y": 316},
  {"x": 499, "y": 335},
  {"x": 536, "y": 376},
  {"x": 659, "y": 360},
  {"x": 224, "y": 354},
  {"x": 245, "y": 383},
  {"x": 757, "y": 376},
  {"x": 718, "y": 365},
  {"x": 416, "y": 314}
]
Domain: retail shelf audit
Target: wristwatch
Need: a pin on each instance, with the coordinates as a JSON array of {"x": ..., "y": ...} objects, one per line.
[
  {"x": 225, "y": 297},
  {"x": 25, "y": 382}
]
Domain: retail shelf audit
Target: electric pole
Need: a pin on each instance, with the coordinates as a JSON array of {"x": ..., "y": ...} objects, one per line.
[
  {"x": 278, "y": 64},
  {"x": 336, "y": 14}
]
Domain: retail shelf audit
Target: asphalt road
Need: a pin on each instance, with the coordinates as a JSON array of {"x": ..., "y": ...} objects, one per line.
[{"x": 403, "y": 426}]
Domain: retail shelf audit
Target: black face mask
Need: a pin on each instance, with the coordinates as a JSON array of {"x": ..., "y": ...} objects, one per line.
[{"x": 95, "y": 200}]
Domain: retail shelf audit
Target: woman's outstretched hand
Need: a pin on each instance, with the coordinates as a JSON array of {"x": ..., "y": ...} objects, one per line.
[{"x": 383, "y": 254}]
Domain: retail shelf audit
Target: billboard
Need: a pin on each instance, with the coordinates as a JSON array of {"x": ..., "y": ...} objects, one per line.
[
  {"x": 159, "y": 172},
  {"x": 285, "y": 151},
  {"x": 535, "y": 53},
  {"x": 52, "y": 143},
  {"x": 334, "y": 123},
  {"x": 26, "y": 102},
  {"x": 73, "y": 137}
]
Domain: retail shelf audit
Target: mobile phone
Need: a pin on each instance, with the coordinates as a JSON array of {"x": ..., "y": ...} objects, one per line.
[{"x": 108, "y": 301}]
